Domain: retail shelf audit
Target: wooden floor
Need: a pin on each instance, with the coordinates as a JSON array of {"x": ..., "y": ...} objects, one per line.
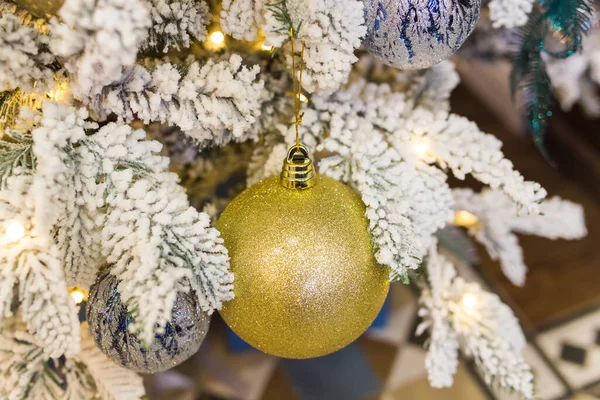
[{"x": 564, "y": 276}]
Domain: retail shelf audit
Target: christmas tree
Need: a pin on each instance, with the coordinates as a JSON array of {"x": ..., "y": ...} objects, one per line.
[{"x": 122, "y": 119}]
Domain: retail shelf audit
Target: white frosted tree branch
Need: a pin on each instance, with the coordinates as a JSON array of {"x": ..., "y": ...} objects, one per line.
[
  {"x": 99, "y": 38},
  {"x": 157, "y": 243},
  {"x": 176, "y": 23},
  {"x": 486, "y": 329},
  {"x": 499, "y": 220},
  {"x": 22, "y": 364},
  {"x": 509, "y": 13},
  {"x": 26, "y": 371},
  {"x": 456, "y": 143},
  {"x": 32, "y": 264},
  {"x": 218, "y": 101},
  {"x": 240, "y": 18},
  {"x": 110, "y": 381},
  {"x": 25, "y": 61},
  {"x": 395, "y": 148},
  {"x": 65, "y": 193},
  {"x": 331, "y": 29}
]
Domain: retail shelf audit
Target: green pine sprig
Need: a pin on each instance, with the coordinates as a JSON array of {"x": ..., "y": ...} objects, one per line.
[{"x": 281, "y": 14}]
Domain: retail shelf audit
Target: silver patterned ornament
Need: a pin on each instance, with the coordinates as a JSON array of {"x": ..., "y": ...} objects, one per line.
[
  {"x": 416, "y": 34},
  {"x": 108, "y": 320}
]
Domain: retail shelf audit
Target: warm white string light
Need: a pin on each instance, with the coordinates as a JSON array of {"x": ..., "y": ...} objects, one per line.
[
  {"x": 78, "y": 295},
  {"x": 469, "y": 302},
  {"x": 421, "y": 149},
  {"x": 217, "y": 39},
  {"x": 465, "y": 218},
  {"x": 14, "y": 231}
]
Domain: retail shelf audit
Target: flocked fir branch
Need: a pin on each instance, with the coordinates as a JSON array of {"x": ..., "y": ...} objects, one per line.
[
  {"x": 15, "y": 153},
  {"x": 332, "y": 30},
  {"x": 28, "y": 373},
  {"x": 159, "y": 245},
  {"x": 110, "y": 382},
  {"x": 217, "y": 101},
  {"x": 394, "y": 149},
  {"x": 498, "y": 221},
  {"x": 462, "y": 316},
  {"x": 98, "y": 39},
  {"x": 509, "y": 13},
  {"x": 24, "y": 367},
  {"x": 32, "y": 266},
  {"x": 26, "y": 60},
  {"x": 176, "y": 23}
]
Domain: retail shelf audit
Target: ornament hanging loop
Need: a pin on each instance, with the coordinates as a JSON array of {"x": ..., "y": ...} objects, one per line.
[{"x": 298, "y": 169}]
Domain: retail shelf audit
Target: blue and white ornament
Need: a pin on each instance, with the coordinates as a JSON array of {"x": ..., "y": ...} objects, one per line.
[
  {"x": 416, "y": 34},
  {"x": 108, "y": 321}
]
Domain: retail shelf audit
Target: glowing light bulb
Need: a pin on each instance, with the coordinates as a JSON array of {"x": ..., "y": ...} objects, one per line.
[
  {"x": 465, "y": 218},
  {"x": 60, "y": 92},
  {"x": 266, "y": 47},
  {"x": 469, "y": 301},
  {"x": 78, "y": 295},
  {"x": 14, "y": 231},
  {"x": 217, "y": 38},
  {"x": 303, "y": 98},
  {"x": 420, "y": 149}
]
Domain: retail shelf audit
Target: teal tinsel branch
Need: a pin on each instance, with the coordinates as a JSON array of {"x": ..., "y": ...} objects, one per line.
[
  {"x": 566, "y": 21},
  {"x": 570, "y": 19}
]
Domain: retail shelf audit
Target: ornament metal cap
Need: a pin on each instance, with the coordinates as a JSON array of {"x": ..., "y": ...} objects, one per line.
[{"x": 298, "y": 170}]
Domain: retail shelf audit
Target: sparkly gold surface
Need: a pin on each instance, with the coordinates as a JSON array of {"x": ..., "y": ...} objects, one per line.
[
  {"x": 40, "y": 8},
  {"x": 306, "y": 281}
]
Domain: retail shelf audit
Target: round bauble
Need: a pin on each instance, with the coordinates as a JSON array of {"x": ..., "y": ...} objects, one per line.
[
  {"x": 411, "y": 34},
  {"x": 306, "y": 281},
  {"x": 108, "y": 320}
]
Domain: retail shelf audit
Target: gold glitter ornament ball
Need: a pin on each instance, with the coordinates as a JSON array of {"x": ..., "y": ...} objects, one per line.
[{"x": 306, "y": 280}]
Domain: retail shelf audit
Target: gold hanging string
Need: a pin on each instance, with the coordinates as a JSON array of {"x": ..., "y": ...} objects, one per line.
[{"x": 297, "y": 85}]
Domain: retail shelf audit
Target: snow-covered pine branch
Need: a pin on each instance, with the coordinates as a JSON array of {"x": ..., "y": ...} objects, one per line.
[
  {"x": 176, "y": 23},
  {"x": 461, "y": 314},
  {"x": 456, "y": 143},
  {"x": 22, "y": 367},
  {"x": 331, "y": 29},
  {"x": 365, "y": 160},
  {"x": 32, "y": 264},
  {"x": 98, "y": 38},
  {"x": 66, "y": 193},
  {"x": 157, "y": 243},
  {"x": 498, "y": 221},
  {"x": 218, "y": 101},
  {"x": 15, "y": 152},
  {"x": 110, "y": 381},
  {"x": 25, "y": 61},
  {"x": 26, "y": 372},
  {"x": 241, "y": 18},
  {"x": 394, "y": 147},
  {"x": 509, "y": 13},
  {"x": 431, "y": 88}
]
